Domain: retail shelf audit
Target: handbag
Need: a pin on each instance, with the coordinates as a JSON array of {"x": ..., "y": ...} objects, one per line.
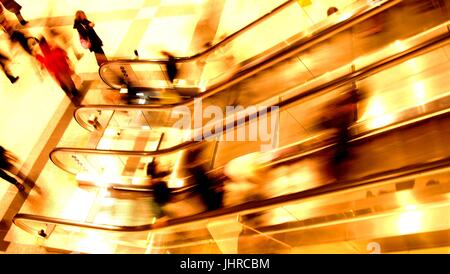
[{"x": 85, "y": 43}]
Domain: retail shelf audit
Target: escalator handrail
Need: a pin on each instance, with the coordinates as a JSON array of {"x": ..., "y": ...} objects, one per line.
[
  {"x": 293, "y": 49},
  {"x": 273, "y": 201},
  {"x": 350, "y": 77},
  {"x": 223, "y": 42},
  {"x": 242, "y": 209},
  {"x": 153, "y": 153},
  {"x": 388, "y": 62}
]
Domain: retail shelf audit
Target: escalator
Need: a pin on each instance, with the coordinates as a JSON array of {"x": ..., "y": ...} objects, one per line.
[
  {"x": 426, "y": 113},
  {"x": 429, "y": 44},
  {"x": 211, "y": 75},
  {"x": 381, "y": 209},
  {"x": 389, "y": 194}
]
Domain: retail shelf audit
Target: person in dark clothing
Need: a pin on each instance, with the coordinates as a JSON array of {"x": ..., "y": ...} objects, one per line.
[
  {"x": 7, "y": 163},
  {"x": 88, "y": 36},
  {"x": 340, "y": 115},
  {"x": 4, "y": 60},
  {"x": 171, "y": 66},
  {"x": 20, "y": 37},
  {"x": 161, "y": 191},
  {"x": 210, "y": 192},
  {"x": 15, "y": 8}
]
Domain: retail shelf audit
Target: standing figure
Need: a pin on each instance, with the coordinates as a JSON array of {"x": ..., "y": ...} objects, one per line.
[
  {"x": 7, "y": 163},
  {"x": 4, "y": 60},
  {"x": 171, "y": 66},
  {"x": 340, "y": 115},
  {"x": 88, "y": 37},
  {"x": 209, "y": 190},
  {"x": 55, "y": 60},
  {"x": 13, "y": 7}
]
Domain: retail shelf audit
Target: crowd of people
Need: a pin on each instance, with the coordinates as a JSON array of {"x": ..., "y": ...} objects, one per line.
[{"x": 48, "y": 51}]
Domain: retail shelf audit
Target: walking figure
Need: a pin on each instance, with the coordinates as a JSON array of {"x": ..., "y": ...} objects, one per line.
[
  {"x": 8, "y": 163},
  {"x": 88, "y": 37}
]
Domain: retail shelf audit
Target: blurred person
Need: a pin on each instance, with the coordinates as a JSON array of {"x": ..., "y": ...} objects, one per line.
[
  {"x": 210, "y": 192},
  {"x": 88, "y": 37},
  {"x": 62, "y": 39},
  {"x": 171, "y": 66},
  {"x": 13, "y": 7},
  {"x": 56, "y": 62},
  {"x": 24, "y": 40},
  {"x": 59, "y": 35},
  {"x": 340, "y": 115},
  {"x": 161, "y": 191},
  {"x": 4, "y": 64},
  {"x": 8, "y": 163},
  {"x": 20, "y": 37},
  {"x": 155, "y": 171}
]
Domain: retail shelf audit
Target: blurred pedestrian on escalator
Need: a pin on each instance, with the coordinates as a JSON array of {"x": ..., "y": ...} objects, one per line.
[
  {"x": 161, "y": 191},
  {"x": 210, "y": 191},
  {"x": 88, "y": 37},
  {"x": 171, "y": 66},
  {"x": 340, "y": 115},
  {"x": 8, "y": 163}
]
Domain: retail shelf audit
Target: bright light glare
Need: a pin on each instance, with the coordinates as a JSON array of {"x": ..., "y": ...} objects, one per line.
[{"x": 410, "y": 222}]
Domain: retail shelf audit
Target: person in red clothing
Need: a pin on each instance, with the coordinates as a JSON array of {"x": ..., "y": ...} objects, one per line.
[{"x": 57, "y": 63}]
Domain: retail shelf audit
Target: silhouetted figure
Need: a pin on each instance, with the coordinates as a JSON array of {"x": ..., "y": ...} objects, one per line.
[
  {"x": 15, "y": 8},
  {"x": 8, "y": 163},
  {"x": 4, "y": 64},
  {"x": 171, "y": 66},
  {"x": 59, "y": 35},
  {"x": 340, "y": 116},
  {"x": 210, "y": 192},
  {"x": 161, "y": 191},
  {"x": 331, "y": 10},
  {"x": 55, "y": 60},
  {"x": 88, "y": 37},
  {"x": 154, "y": 170}
]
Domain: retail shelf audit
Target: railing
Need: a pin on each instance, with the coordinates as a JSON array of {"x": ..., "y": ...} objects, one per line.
[
  {"x": 294, "y": 47},
  {"x": 293, "y": 95},
  {"x": 205, "y": 52},
  {"x": 23, "y": 220}
]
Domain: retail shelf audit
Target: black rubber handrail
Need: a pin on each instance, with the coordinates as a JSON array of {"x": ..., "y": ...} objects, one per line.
[{"x": 291, "y": 50}]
